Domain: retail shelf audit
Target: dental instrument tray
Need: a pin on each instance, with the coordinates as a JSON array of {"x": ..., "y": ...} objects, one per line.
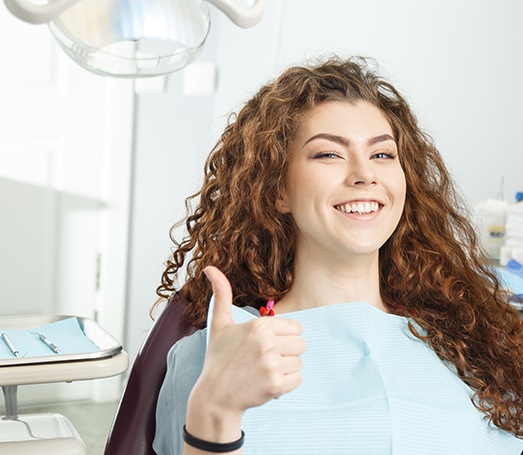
[{"x": 40, "y": 339}]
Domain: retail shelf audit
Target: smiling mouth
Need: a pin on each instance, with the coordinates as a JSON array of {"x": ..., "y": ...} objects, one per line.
[{"x": 359, "y": 207}]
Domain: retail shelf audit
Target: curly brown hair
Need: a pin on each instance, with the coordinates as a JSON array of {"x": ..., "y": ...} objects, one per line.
[{"x": 432, "y": 268}]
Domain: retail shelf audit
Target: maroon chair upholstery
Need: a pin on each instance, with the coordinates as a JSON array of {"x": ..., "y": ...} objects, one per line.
[{"x": 134, "y": 425}]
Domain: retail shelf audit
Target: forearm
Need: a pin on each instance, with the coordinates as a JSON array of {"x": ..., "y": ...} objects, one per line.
[{"x": 209, "y": 422}]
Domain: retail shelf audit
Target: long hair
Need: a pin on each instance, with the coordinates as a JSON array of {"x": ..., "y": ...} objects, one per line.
[{"x": 432, "y": 268}]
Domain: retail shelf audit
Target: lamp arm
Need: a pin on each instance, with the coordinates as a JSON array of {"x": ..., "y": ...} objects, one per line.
[
  {"x": 37, "y": 14},
  {"x": 243, "y": 17}
]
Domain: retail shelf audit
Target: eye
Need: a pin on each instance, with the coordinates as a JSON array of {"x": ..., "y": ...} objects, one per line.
[
  {"x": 384, "y": 156},
  {"x": 326, "y": 154}
]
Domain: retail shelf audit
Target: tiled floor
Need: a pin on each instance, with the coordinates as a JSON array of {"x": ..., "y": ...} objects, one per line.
[{"x": 91, "y": 420}]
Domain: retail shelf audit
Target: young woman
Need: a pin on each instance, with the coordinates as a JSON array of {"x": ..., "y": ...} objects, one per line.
[{"x": 325, "y": 205}]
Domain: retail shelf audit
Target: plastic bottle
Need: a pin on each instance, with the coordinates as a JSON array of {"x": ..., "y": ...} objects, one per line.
[
  {"x": 491, "y": 216},
  {"x": 513, "y": 245}
]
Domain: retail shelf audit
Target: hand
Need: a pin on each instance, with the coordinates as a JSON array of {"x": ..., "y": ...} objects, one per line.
[{"x": 247, "y": 364}]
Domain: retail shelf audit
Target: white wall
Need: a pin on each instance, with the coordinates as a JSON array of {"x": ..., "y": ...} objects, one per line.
[
  {"x": 172, "y": 135},
  {"x": 459, "y": 62}
]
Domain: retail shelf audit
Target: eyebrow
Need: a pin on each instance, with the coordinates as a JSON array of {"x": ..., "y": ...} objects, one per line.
[
  {"x": 381, "y": 138},
  {"x": 346, "y": 142}
]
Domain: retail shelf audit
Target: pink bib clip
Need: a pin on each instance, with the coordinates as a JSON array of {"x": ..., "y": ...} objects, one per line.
[{"x": 267, "y": 310}]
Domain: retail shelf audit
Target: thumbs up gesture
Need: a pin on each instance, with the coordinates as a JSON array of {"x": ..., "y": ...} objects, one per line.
[{"x": 247, "y": 364}]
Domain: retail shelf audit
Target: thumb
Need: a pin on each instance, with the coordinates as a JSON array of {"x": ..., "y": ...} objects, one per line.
[{"x": 222, "y": 315}]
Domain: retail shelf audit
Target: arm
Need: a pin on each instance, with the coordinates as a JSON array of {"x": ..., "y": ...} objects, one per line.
[
  {"x": 264, "y": 352},
  {"x": 207, "y": 421}
]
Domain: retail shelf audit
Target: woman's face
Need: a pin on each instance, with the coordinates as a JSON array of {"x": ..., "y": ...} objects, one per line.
[{"x": 345, "y": 187}]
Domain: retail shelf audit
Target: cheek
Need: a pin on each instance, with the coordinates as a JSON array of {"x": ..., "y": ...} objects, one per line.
[
  {"x": 400, "y": 192},
  {"x": 403, "y": 191},
  {"x": 401, "y": 184},
  {"x": 300, "y": 186}
]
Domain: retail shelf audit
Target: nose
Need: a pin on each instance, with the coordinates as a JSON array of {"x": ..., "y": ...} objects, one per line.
[{"x": 361, "y": 173}]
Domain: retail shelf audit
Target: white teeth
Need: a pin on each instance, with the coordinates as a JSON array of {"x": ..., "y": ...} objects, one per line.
[{"x": 359, "y": 207}]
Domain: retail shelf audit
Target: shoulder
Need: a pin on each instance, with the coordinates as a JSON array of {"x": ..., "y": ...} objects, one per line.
[
  {"x": 184, "y": 365},
  {"x": 188, "y": 350}
]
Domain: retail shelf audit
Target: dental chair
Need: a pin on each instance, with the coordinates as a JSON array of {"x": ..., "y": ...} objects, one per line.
[{"x": 134, "y": 425}]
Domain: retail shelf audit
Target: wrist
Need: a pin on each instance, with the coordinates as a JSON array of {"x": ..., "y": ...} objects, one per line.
[
  {"x": 208, "y": 420},
  {"x": 212, "y": 447}
]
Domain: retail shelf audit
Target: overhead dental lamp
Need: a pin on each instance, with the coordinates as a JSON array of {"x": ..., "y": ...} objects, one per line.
[{"x": 132, "y": 38}]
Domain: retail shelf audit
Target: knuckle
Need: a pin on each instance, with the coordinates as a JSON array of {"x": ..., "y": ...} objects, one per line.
[
  {"x": 263, "y": 347},
  {"x": 260, "y": 338},
  {"x": 269, "y": 365},
  {"x": 276, "y": 385},
  {"x": 259, "y": 326},
  {"x": 296, "y": 326}
]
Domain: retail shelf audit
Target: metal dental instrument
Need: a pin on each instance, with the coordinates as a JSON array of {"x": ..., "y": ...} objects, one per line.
[
  {"x": 48, "y": 343},
  {"x": 10, "y": 345}
]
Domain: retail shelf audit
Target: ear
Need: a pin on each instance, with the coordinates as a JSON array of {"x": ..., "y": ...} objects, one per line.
[{"x": 282, "y": 203}]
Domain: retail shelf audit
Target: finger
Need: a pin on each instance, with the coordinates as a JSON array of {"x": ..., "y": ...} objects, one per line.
[
  {"x": 290, "y": 365},
  {"x": 222, "y": 316},
  {"x": 286, "y": 326},
  {"x": 290, "y": 382},
  {"x": 292, "y": 345}
]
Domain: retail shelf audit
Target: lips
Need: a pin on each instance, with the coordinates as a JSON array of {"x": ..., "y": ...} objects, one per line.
[{"x": 359, "y": 207}]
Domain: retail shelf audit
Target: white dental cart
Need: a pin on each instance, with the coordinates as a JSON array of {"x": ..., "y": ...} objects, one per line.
[{"x": 51, "y": 434}]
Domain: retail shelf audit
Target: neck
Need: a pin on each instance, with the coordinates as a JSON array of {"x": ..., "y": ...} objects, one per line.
[{"x": 319, "y": 284}]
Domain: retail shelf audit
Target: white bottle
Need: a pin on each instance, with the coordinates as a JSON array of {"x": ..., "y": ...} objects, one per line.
[
  {"x": 491, "y": 216},
  {"x": 513, "y": 245}
]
